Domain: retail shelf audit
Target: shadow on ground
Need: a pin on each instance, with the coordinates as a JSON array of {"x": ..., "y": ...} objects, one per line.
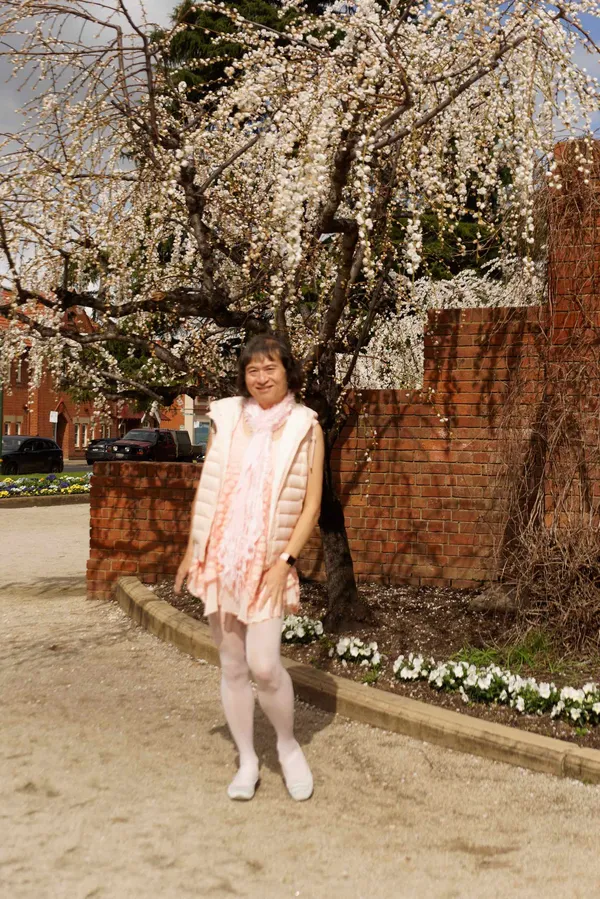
[{"x": 46, "y": 587}]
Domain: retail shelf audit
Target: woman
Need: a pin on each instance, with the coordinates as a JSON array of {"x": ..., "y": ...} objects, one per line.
[{"x": 257, "y": 504}]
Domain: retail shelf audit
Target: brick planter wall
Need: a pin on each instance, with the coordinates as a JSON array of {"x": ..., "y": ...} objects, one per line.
[{"x": 140, "y": 515}]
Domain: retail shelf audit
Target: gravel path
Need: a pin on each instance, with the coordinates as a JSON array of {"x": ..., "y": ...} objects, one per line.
[{"x": 114, "y": 761}]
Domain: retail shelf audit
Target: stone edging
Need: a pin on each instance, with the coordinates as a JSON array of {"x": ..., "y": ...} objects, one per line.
[
  {"x": 456, "y": 731},
  {"x": 26, "y": 502}
]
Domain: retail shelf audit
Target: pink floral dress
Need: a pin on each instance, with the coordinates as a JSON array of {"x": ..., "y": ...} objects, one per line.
[{"x": 203, "y": 578}]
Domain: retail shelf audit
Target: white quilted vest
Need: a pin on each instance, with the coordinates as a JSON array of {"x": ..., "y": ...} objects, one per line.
[{"x": 293, "y": 459}]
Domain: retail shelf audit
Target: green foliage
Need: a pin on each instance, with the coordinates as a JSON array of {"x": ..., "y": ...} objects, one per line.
[
  {"x": 536, "y": 651},
  {"x": 203, "y": 39}
]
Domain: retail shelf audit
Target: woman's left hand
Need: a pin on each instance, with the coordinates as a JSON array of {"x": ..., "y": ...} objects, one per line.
[{"x": 273, "y": 587}]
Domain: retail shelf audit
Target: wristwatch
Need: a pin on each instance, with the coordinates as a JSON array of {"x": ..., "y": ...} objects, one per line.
[{"x": 285, "y": 557}]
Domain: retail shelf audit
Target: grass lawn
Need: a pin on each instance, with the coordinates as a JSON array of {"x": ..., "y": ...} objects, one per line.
[{"x": 38, "y": 477}]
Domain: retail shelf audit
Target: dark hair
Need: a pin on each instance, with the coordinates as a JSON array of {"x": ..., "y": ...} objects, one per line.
[{"x": 272, "y": 347}]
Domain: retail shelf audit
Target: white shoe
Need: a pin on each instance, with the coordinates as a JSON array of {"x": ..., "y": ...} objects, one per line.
[
  {"x": 297, "y": 776},
  {"x": 243, "y": 786}
]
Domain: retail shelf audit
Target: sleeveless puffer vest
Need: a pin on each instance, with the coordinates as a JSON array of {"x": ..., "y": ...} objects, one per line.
[{"x": 293, "y": 460}]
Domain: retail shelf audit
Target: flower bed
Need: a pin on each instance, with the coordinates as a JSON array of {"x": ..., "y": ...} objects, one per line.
[
  {"x": 301, "y": 629},
  {"x": 51, "y": 485},
  {"x": 489, "y": 684},
  {"x": 354, "y": 650},
  {"x": 492, "y": 684}
]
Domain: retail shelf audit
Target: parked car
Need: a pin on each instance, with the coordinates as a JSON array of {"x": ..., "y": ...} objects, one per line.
[
  {"x": 30, "y": 455},
  {"x": 145, "y": 445},
  {"x": 186, "y": 450},
  {"x": 99, "y": 450}
]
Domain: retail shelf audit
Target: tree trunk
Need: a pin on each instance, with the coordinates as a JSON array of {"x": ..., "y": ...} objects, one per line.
[{"x": 345, "y": 608}]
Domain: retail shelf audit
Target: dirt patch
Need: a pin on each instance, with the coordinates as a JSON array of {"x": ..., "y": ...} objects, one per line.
[
  {"x": 114, "y": 763},
  {"x": 437, "y": 622}
]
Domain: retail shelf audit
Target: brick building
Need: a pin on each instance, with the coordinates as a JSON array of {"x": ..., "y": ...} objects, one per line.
[{"x": 27, "y": 411}]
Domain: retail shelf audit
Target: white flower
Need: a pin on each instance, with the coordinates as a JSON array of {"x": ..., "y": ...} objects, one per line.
[
  {"x": 398, "y": 664},
  {"x": 520, "y": 704},
  {"x": 575, "y": 714}
]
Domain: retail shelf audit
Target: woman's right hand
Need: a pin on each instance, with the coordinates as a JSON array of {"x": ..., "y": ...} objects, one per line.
[{"x": 184, "y": 567}]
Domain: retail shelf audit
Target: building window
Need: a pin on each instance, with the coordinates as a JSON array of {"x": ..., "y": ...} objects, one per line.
[
  {"x": 84, "y": 435},
  {"x": 19, "y": 372},
  {"x": 77, "y": 437},
  {"x": 6, "y": 428},
  {"x": 18, "y": 427}
]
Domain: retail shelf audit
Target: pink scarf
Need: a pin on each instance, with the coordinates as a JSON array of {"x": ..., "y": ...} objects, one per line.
[{"x": 245, "y": 520}]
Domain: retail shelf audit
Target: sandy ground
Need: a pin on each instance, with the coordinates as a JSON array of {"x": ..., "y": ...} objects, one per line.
[{"x": 114, "y": 761}]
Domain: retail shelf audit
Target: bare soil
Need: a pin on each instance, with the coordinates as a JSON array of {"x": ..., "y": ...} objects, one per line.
[{"x": 437, "y": 622}]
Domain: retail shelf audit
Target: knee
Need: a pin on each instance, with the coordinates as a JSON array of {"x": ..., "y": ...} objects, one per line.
[
  {"x": 234, "y": 670},
  {"x": 267, "y": 674}
]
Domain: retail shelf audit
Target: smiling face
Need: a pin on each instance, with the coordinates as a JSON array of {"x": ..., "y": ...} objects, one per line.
[{"x": 266, "y": 380}]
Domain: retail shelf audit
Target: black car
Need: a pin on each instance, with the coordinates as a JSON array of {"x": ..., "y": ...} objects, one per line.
[
  {"x": 99, "y": 450},
  {"x": 30, "y": 455}
]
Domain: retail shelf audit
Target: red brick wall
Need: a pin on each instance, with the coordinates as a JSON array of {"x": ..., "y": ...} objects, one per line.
[
  {"x": 421, "y": 510},
  {"x": 139, "y": 521}
]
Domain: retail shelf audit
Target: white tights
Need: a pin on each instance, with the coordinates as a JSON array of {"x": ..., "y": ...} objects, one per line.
[{"x": 255, "y": 648}]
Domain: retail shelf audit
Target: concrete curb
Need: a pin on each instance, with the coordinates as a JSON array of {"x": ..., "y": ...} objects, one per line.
[
  {"x": 27, "y": 502},
  {"x": 377, "y": 708}
]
